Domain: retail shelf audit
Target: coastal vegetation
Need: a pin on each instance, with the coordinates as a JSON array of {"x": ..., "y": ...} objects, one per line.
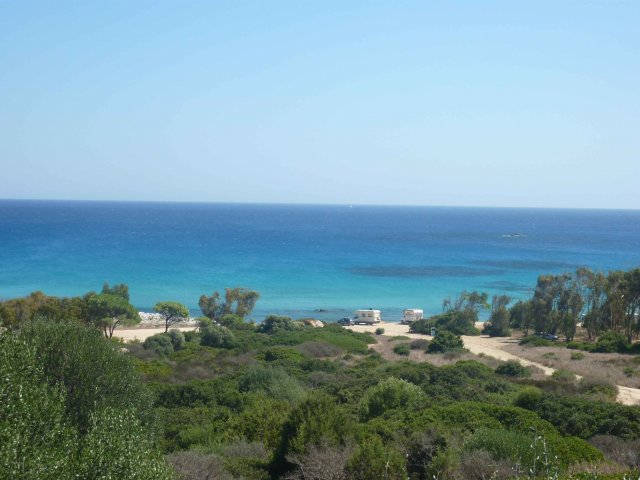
[{"x": 285, "y": 399}]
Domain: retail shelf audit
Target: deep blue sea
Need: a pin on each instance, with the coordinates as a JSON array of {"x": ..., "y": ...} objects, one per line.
[{"x": 302, "y": 258}]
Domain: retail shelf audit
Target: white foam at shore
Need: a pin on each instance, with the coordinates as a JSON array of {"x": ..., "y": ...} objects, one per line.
[{"x": 156, "y": 319}]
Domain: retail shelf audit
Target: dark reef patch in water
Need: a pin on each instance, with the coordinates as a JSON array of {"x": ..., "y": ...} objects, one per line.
[
  {"x": 540, "y": 265},
  {"x": 401, "y": 271}
]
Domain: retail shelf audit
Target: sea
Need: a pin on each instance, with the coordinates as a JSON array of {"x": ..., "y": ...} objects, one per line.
[{"x": 320, "y": 261}]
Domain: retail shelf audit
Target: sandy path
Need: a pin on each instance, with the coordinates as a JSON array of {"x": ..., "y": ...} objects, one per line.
[
  {"x": 492, "y": 347},
  {"x": 142, "y": 333}
]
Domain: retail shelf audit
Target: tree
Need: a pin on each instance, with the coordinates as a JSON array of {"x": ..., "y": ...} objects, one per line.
[
  {"x": 240, "y": 301},
  {"x": 108, "y": 311},
  {"x": 631, "y": 296},
  {"x": 498, "y": 324},
  {"x": 237, "y": 301},
  {"x": 119, "y": 290},
  {"x": 171, "y": 313},
  {"x": 520, "y": 316},
  {"x": 593, "y": 290},
  {"x": 211, "y": 306}
]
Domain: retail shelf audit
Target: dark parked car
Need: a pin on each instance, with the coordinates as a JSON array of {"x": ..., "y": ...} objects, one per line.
[{"x": 346, "y": 321}]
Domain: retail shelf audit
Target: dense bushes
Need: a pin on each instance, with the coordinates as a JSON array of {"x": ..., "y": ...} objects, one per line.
[
  {"x": 159, "y": 343},
  {"x": 72, "y": 407},
  {"x": 401, "y": 349},
  {"x": 274, "y": 324},
  {"x": 512, "y": 368},
  {"x": 444, "y": 342},
  {"x": 534, "y": 341},
  {"x": 34, "y": 438},
  {"x": 389, "y": 394},
  {"x": 584, "y": 418},
  {"x": 458, "y": 322},
  {"x": 275, "y": 382},
  {"x": 89, "y": 369},
  {"x": 218, "y": 337},
  {"x": 285, "y": 402}
]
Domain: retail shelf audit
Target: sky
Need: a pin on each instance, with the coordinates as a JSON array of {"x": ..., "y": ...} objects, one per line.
[{"x": 340, "y": 102}]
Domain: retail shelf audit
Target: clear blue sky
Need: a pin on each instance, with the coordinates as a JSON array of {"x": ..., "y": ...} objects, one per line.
[{"x": 399, "y": 102}]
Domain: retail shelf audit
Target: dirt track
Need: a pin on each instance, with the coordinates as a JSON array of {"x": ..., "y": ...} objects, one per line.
[{"x": 492, "y": 347}]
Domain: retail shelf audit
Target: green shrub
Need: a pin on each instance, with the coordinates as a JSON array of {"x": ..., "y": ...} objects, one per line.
[
  {"x": 399, "y": 337},
  {"x": 315, "y": 420},
  {"x": 118, "y": 446},
  {"x": 353, "y": 342},
  {"x": 534, "y": 341},
  {"x": 401, "y": 349},
  {"x": 275, "y": 382},
  {"x": 601, "y": 388},
  {"x": 319, "y": 349},
  {"x": 375, "y": 459},
  {"x": 155, "y": 370},
  {"x": 274, "y": 324},
  {"x": 218, "y": 337},
  {"x": 537, "y": 453},
  {"x": 529, "y": 398},
  {"x": 445, "y": 341},
  {"x": 577, "y": 356},
  {"x": 611, "y": 342},
  {"x": 379, "y": 331},
  {"x": 512, "y": 368},
  {"x": 585, "y": 418},
  {"x": 389, "y": 394},
  {"x": 35, "y": 439},
  {"x": 159, "y": 343},
  {"x": 458, "y": 322},
  {"x": 503, "y": 445},
  {"x": 629, "y": 371},
  {"x": 177, "y": 339},
  {"x": 575, "y": 345},
  {"x": 564, "y": 376},
  {"x": 419, "y": 344},
  {"x": 282, "y": 356},
  {"x": 93, "y": 374}
]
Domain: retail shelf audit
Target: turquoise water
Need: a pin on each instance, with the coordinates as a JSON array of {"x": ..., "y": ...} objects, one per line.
[{"x": 302, "y": 258}]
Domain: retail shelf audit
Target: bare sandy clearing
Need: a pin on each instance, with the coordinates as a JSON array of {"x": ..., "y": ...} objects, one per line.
[
  {"x": 143, "y": 333},
  {"x": 492, "y": 347}
]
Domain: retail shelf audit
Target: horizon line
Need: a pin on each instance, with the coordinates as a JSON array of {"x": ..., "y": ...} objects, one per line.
[{"x": 350, "y": 205}]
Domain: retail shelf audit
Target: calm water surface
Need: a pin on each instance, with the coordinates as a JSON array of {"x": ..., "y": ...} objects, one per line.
[{"x": 302, "y": 258}]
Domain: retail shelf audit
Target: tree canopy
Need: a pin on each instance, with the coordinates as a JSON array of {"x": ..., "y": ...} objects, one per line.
[{"x": 171, "y": 313}]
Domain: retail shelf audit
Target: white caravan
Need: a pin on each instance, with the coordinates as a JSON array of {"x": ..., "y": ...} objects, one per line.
[
  {"x": 411, "y": 315},
  {"x": 367, "y": 316}
]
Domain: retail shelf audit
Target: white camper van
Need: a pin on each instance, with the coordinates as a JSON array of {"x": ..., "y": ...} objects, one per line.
[
  {"x": 411, "y": 315},
  {"x": 367, "y": 316}
]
